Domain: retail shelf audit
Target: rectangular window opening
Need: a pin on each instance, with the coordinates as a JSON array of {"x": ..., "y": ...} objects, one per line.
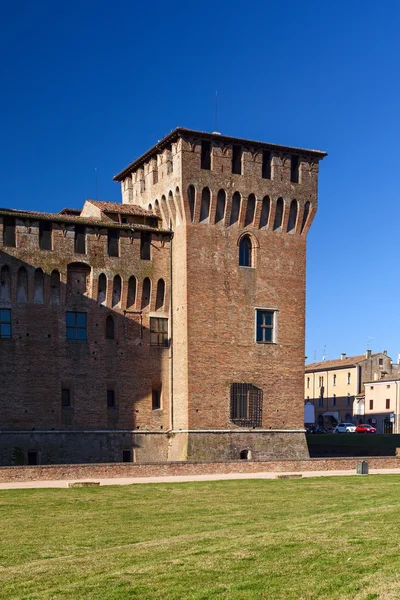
[
  {"x": 45, "y": 235},
  {"x": 158, "y": 332},
  {"x": 294, "y": 169},
  {"x": 5, "y": 323},
  {"x": 9, "y": 231},
  {"x": 237, "y": 160},
  {"x": 127, "y": 456},
  {"x": 66, "y": 398},
  {"x": 371, "y": 405},
  {"x": 265, "y": 326},
  {"x": 111, "y": 399},
  {"x": 113, "y": 242},
  {"x": 246, "y": 404},
  {"x": 206, "y": 155},
  {"x": 80, "y": 239},
  {"x": 76, "y": 326},
  {"x": 32, "y": 457},
  {"x": 388, "y": 403},
  {"x": 156, "y": 398},
  {"x": 145, "y": 245},
  {"x": 266, "y": 164}
]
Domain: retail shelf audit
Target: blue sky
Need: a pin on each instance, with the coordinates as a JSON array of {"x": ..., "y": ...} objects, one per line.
[{"x": 93, "y": 84}]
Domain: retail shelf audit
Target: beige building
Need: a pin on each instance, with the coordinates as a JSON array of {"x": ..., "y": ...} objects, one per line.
[
  {"x": 381, "y": 404},
  {"x": 333, "y": 385}
]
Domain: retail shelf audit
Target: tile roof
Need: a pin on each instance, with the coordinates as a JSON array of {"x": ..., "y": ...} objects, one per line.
[
  {"x": 65, "y": 218},
  {"x": 336, "y": 363},
  {"x": 122, "y": 209},
  {"x": 182, "y": 131}
]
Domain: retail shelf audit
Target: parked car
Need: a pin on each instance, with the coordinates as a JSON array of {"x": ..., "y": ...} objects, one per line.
[
  {"x": 363, "y": 428},
  {"x": 315, "y": 429},
  {"x": 345, "y": 428}
]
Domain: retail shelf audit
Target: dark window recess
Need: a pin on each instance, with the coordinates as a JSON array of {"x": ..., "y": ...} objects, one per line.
[
  {"x": 113, "y": 242},
  {"x": 278, "y": 214},
  {"x": 156, "y": 399},
  {"x": 127, "y": 456},
  {"x": 110, "y": 328},
  {"x": 246, "y": 405},
  {"x": 235, "y": 213},
  {"x": 206, "y": 155},
  {"x": 110, "y": 399},
  {"x": 237, "y": 160},
  {"x": 145, "y": 245},
  {"x": 371, "y": 405},
  {"x": 9, "y": 231},
  {"x": 305, "y": 216},
  {"x": 32, "y": 458},
  {"x": 294, "y": 169},
  {"x": 80, "y": 239},
  {"x": 265, "y": 326},
  {"x": 45, "y": 242},
  {"x": 65, "y": 398},
  {"x": 245, "y": 252},
  {"x": 5, "y": 323},
  {"x": 266, "y": 164},
  {"x": 76, "y": 326},
  {"x": 158, "y": 332}
]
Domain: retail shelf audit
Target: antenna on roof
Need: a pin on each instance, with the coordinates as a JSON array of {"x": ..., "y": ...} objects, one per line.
[
  {"x": 324, "y": 355},
  {"x": 97, "y": 184},
  {"x": 216, "y": 111}
]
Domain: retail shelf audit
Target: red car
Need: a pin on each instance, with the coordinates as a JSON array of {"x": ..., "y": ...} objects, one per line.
[{"x": 365, "y": 429}]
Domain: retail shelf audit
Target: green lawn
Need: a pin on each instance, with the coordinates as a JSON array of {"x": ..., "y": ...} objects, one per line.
[{"x": 323, "y": 538}]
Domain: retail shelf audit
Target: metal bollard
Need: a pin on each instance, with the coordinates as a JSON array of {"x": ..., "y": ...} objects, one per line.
[{"x": 362, "y": 467}]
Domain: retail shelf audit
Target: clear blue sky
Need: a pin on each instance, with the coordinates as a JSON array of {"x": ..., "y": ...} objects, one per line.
[{"x": 93, "y": 84}]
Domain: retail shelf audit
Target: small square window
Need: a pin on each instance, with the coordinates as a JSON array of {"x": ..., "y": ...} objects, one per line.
[
  {"x": 158, "y": 332},
  {"x": 76, "y": 326},
  {"x": 5, "y": 323},
  {"x": 265, "y": 326}
]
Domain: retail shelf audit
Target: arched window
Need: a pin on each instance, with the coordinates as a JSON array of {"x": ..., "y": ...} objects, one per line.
[
  {"x": 110, "y": 327},
  {"x": 5, "y": 284},
  {"x": 264, "y": 218},
  {"x": 236, "y": 199},
  {"x": 191, "y": 200},
  {"x": 205, "y": 205},
  {"x": 38, "y": 294},
  {"x": 146, "y": 292},
  {"x": 22, "y": 285},
  {"x": 245, "y": 252},
  {"x": 160, "y": 294},
  {"x": 102, "y": 289},
  {"x": 278, "y": 214},
  {"x": 55, "y": 287},
  {"x": 251, "y": 207},
  {"x": 116, "y": 295},
  {"x": 221, "y": 202},
  {"x": 131, "y": 292},
  {"x": 292, "y": 217},
  {"x": 305, "y": 216}
]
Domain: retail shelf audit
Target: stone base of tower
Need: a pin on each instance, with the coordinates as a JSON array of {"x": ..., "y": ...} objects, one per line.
[{"x": 233, "y": 445}]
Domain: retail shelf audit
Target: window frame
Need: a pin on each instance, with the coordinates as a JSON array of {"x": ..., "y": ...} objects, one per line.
[
  {"x": 75, "y": 327},
  {"x": 246, "y": 252},
  {"x": 4, "y": 321},
  {"x": 274, "y": 328},
  {"x": 160, "y": 335}
]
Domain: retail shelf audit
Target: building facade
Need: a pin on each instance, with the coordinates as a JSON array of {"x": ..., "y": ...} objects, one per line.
[
  {"x": 381, "y": 404},
  {"x": 168, "y": 327},
  {"x": 334, "y": 387}
]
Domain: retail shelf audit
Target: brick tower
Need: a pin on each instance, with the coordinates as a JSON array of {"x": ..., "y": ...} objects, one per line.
[{"x": 239, "y": 211}]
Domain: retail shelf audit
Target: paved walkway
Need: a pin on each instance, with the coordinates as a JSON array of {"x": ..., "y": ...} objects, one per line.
[{"x": 183, "y": 478}]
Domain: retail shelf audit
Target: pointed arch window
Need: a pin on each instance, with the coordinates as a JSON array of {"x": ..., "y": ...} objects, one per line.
[
  {"x": 102, "y": 289},
  {"x": 250, "y": 210},
  {"x": 265, "y": 212},
  {"x": 278, "y": 214},
  {"x": 146, "y": 292},
  {"x": 191, "y": 200},
  {"x": 205, "y": 206},
  {"x": 292, "y": 217},
  {"x": 236, "y": 199},
  {"x": 110, "y": 328},
  {"x": 5, "y": 284},
  {"x": 245, "y": 252},
  {"x": 221, "y": 203},
  {"x": 305, "y": 215},
  {"x": 116, "y": 297},
  {"x": 38, "y": 295},
  {"x": 55, "y": 287},
  {"x": 22, "y": 285},
  {"x": 160, "y": 294},
  {"x": 131, "y": 292}
]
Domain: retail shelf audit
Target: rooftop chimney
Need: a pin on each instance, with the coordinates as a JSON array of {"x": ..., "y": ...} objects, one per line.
[
  {"x": 342, "y": 356},
  {"x": 384, "y": 352},
  {"x": 368, "y": 354}
]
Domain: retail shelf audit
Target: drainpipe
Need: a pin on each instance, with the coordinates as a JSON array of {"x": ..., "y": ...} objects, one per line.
[{"x": 171, "y": 345}]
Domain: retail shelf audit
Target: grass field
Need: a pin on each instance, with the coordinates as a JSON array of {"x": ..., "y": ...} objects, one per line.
[{"x": 321, "y": 538}]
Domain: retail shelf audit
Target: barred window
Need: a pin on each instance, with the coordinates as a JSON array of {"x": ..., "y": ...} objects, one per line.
[
  {"x": 246, "y": 404},
  {"x": 158, "y": 332},
  {"x": 5, "y": 323},
  {"x": 76, "y": 326}
]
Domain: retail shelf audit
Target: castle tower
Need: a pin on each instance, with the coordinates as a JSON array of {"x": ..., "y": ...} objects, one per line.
[{"x": 240, "y": 212}]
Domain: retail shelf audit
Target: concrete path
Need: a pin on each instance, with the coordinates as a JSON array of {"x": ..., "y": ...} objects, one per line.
[{"x": 183, "y": 478}]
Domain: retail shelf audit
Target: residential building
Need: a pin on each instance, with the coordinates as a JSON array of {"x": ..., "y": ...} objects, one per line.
[{"x": 382, "y": 404}]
